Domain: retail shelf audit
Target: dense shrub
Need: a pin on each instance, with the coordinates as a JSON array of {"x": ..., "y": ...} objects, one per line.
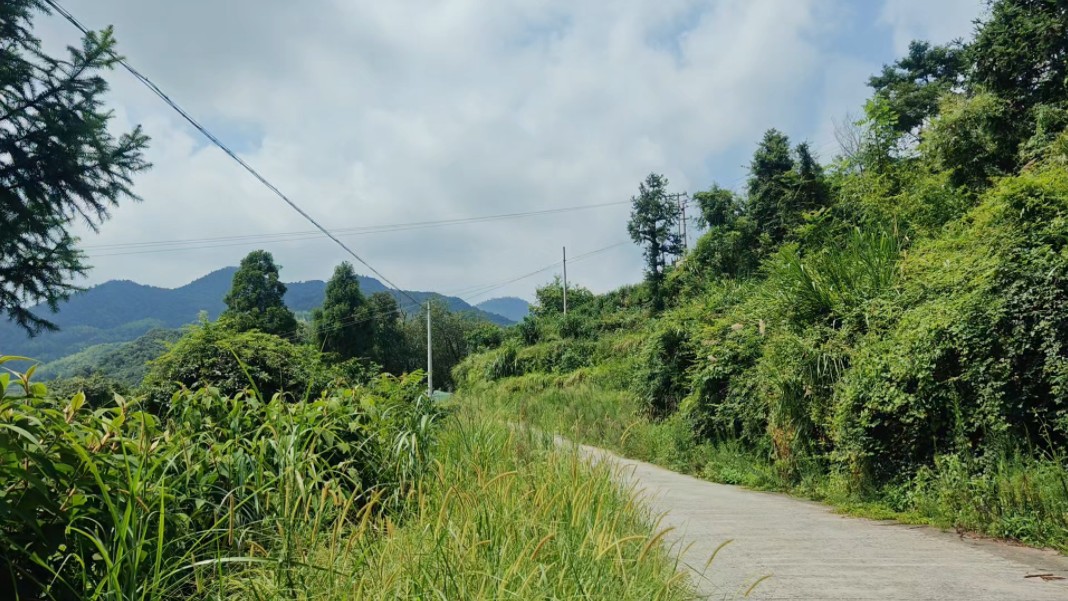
[
  {"x": 120, "y": 503},
  {"x": 99, "y": 390},
  {"x": 661, "y": 381},
  {"x": 213, "y": 355},
  {"x": 976, "y": 354}
]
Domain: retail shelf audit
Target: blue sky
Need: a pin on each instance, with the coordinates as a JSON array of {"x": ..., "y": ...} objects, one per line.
[{"x": 373, "y": 113}]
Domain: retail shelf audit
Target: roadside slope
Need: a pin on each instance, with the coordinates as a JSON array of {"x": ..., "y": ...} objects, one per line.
[{"x": 809, "y": 552}]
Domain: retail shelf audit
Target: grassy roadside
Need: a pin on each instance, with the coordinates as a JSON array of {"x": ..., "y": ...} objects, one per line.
[
  {"x": 1022, "y": 499},
  {"x": 500, "y": 514},
  {"x": 372, "y": 492}
]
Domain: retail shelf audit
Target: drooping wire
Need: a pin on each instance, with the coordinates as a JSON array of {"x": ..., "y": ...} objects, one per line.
[
  {"x": 146, "y": 247},
  {"x": 222, "y": 146},
  {"x": 465, "y": 294}
]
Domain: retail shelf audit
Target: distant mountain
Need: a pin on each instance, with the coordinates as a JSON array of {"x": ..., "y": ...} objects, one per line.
[
  {"x": 121, "y": 310},
  {"x": 126, "y": 362},
  {"x": 511, "y": 307}
]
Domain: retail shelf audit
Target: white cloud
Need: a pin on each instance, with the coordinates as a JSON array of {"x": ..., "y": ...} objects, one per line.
[
  {"x": 938, "y": 21},
  {"x": 384, "y": 112}
]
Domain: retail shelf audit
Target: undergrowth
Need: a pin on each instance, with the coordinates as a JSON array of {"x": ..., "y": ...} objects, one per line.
[
  {"x": 1007, "y": 495},
  {"x": 372, "y": 492}
]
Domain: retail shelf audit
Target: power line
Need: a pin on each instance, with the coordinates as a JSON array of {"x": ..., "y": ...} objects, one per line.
[
  {"x": 233, "y": 155},
  {"x": 160, "y": 246},
  {"x": 467, "y": 294},
  {"x": 483, "y": 290}
]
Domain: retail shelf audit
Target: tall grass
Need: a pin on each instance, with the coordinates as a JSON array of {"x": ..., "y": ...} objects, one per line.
[
  {"x": 120, "y": 503},
  {"x": 367, "y": 493},
  {"x": 503, "y": 514},
  {"x": 837, "y": 281}
]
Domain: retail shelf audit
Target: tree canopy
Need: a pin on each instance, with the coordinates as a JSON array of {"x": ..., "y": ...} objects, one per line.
[
  {"x": 344, "y": 325},
  {"x": 652, "y": 225},
  {"x": 59, "y": 162},
  {"x": 255, "y": 298}
]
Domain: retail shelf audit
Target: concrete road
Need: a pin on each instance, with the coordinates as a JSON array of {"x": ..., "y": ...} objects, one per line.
[{"x": 809, "y": 552}]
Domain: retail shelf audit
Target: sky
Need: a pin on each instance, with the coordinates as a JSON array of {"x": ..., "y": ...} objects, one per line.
[{"x": 369, "y": 113}]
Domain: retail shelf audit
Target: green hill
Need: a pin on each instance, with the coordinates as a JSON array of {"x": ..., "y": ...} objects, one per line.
[{"x": 122, "y": 311}]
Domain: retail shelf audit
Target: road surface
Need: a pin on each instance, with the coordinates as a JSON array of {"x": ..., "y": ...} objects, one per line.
[{"x": 809, "y": 552}]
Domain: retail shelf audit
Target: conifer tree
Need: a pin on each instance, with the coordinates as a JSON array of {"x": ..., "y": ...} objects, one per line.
[
  {"x": 59, "y": 164},
  {"x": 652, "y": 226},
  {"x": 255, "y": 298},
  {"x": 344, "y": 324}
]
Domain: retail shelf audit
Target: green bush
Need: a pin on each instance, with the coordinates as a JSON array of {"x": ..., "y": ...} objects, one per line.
[
  {"x": 837, "y": 283},
  {"x": 120, "y": 503},
  {"x": 528, "y": 330},
  {"x": 213, "y": 355},
  {"x": 723, "y": 401},
  {"x": 975, "y": 353},
  {"x": 660, "y": 381},
  {"x": 99, "y": 390}
]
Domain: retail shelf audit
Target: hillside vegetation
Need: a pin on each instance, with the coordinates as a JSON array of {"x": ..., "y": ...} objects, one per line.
[
  {"x": 888, "y": 331},
  {"x": 368, "y": 492},
  {"x": 122, "y": 311}
]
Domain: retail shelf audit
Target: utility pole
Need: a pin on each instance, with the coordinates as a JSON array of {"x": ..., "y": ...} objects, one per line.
[
  {"x": 565, "y": 280},
  {"x": 429, "y": 355},
  {"x": 681, "y": 200},
  {"x": 684, "y": 200}
]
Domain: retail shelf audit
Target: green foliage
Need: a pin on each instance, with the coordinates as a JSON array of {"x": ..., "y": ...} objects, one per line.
[
  {"x": 528, "y": 330},
  {"x": 62, "y": 164},
  {"x": 345, "y": 323},
  {"x": 838, "y": 282},
  {"x": 729, "y": 250},
  {"x": 652, "y": 226},
  {"x": 550, "y": 298},
  {"x": 770, "y": 187},
  {"x": 914, "y": 85},
  {"x": 390, "y": 346},
  {"x": 98, "y": 390},
  {"x": 255, "y": 298},
  {"x": 484, "y": 336},
  {"x": 969, "y": 140},
  {"x": 1020, "y": 53},
  {"x": 783, "y": 185},
  {"x": 118, "y": 503},
  {"x": 124, "y": 362},
  {"x": 723, "y": 402},
  {"x": 975, "y": 355},
  {"x": 213, "y": 355},
  {"x": 660, "y": 382},
  {"x": 730, "y": 247}
]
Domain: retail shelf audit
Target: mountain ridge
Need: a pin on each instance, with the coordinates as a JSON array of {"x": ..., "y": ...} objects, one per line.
[
  {"x": 512, "y": 307},
  {"x": 122, "y": 310}
]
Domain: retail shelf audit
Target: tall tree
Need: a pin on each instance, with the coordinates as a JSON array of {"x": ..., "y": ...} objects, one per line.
[
  {"x": 813, "y": 192},
  {"x": 717, "y": 206},
  {"x": 255, "y": 298},
  {"x": 652, "y": 225},
  {"x": 390, "y": 344},
  {"x": 343, "y": 325},
  {"x": 771, "y": 185},
  {"x": 913, "y": 86},
  {"x": 731, "y": 247},
  {"x": 58, "y": 162},
  {"x": 1021, "y": 53}
]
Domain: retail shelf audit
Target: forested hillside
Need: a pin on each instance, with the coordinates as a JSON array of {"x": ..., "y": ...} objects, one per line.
[
  {"x": 886, "y": 329},
  {"x": 121, "y": 311}
]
